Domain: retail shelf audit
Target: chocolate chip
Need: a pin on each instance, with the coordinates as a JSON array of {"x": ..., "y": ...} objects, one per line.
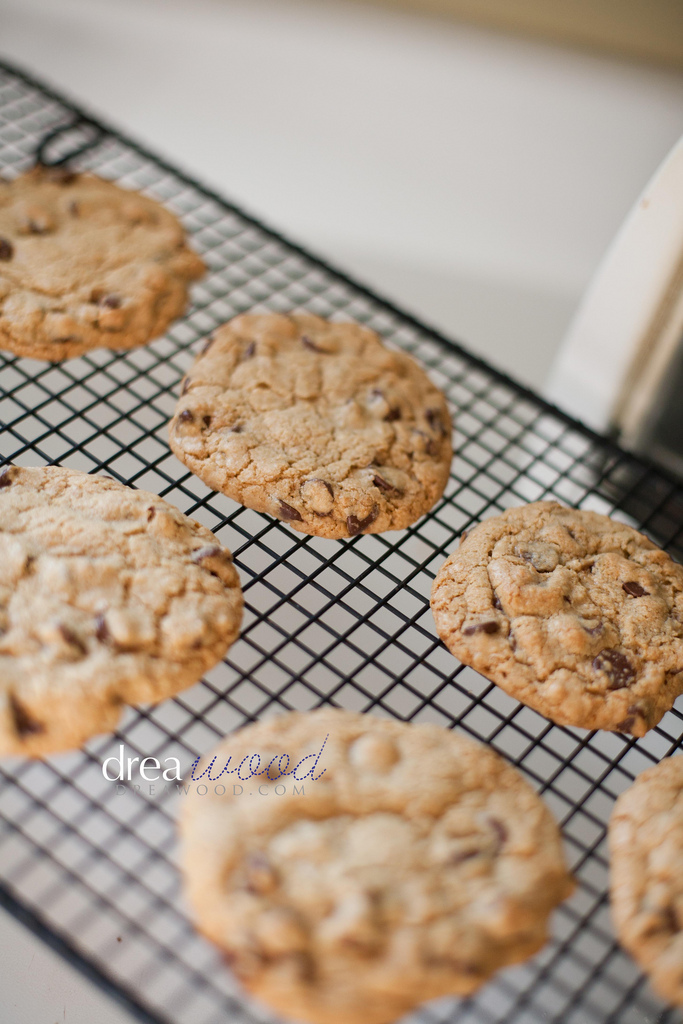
[
  {"x": 206, "y": 420},
  {"x": 207, "y": 344},
  {"x": 24, "y": 723},
  {"x": 287, "y": 512},
  {"x": 543, "y": 556},
  {"x": 462, "y": 855},
  {"x": 59, "y": 175},
  {"x": 102, "y": 629},
  {"x": 318, "y": 496},
  {"x": 6, "y": 249},
  {"x": 663, "y": 919},
  {"x": 216, "y": 560},
  {"x": 616, "y": 667},
  {"x": 433, "y": 417},
  {"x": 670, "y": 919},
  {"x": 304, "y": 965},
  {"x": 70, "y": 637},
  {"x": 186, "y": 416},
  {"x": 499, "y": 829},
  {"x": 633, "y": 713},
  {"x": 496, "y": 603},
  {"x": 453, "y": 965},
  {"x": 593, "y": 630},
  {"x": 326, "y": 484},
  {"x": 6, "y": 477},
  {"x": 381, "y": 400},
  {"x": 355, "y": 525},
  {"x": 500, "y": 835},
  {"x": 151, "y": 512},
  {"x": 490, "y": 626},
  {"x": 431, "y": 445},
  {"x": 106, "y": 299},
  {"x": 237, "y": 428},
  {"x": 635, "y": 589},
  {"x": 463, "y": 967},
  {"x": 384, "y": 485},
  {"x": 307, "y": 343},
  {"x": 249, "y": 350}
]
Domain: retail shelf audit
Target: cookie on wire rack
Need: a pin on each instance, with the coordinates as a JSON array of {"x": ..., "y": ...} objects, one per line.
[
  {"x": 362, "y": 866},
  {"x": 571, "y": 612},
  {"x": 316, "y": 423},
  {"x": 85, "y": 264},
  {"x": 109, "y": 596},
  {"x": 646, "y": 874}
]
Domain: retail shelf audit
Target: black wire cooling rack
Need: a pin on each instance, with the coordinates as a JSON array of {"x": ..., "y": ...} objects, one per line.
[{"x": 92, "y": 869}]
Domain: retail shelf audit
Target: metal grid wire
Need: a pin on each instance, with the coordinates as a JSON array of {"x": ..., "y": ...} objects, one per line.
[{"x": 94, "y": 873}]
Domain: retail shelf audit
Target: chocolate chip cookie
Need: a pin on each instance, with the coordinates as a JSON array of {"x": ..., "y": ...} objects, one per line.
[
  {"x": 85, "y": 264},
  {"x": 316, "y": 423},
  {"x": 571, "y": 612},
  {"x": 646, "y": 847},
  {"x": 362, "y": 866},
  {"x": 108, "y": 596}
]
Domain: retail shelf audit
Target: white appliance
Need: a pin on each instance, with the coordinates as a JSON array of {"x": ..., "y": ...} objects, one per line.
[{"x": 620, "y": 368}]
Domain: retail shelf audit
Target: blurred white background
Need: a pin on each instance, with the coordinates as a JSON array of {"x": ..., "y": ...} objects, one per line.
[{"x": 475, "y": 179}]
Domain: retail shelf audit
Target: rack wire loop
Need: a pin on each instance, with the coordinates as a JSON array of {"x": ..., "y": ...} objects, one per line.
[{"x": 94, "y": 134}]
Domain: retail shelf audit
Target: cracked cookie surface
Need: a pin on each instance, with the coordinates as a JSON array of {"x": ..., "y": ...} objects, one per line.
[
  {"x": 316, "y": 423},
  {"x": 414, "y": 864},
  {"x": 108, "y": 596},
  {"x": 85, "y": 264},
  {"x": 646, "y": 874},
  {"x": 571, "y": 612}
]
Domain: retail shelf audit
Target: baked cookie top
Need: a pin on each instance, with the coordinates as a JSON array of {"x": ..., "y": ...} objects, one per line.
[
  {"x": 646, "y": 848},
  {"x": 316, "y": 423},
  {"x": 86, "y": 264},
  {"x": 108, "y": 596},
  {"x": 571, "y": 612},
  {"x": 411, "y": 863}
]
